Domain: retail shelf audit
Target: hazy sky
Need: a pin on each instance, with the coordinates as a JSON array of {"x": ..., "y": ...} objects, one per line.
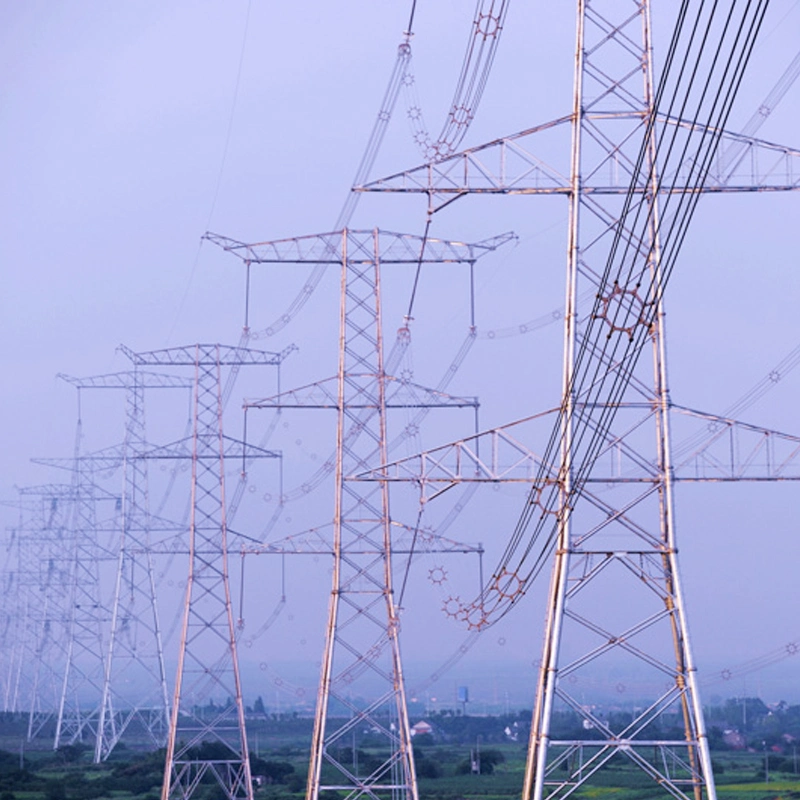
[{"x": 125, "y": 135}]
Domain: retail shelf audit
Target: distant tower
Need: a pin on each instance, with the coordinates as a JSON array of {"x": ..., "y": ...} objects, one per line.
[
  {"x": 135, "y": 645},
  {"x": 615, "y": 600},
  {"x": 35, "y": 633},
  {"x": 361, "y": 687},
  {"x": 207, "y": 738},
  {"x": 78, "y": 710},
  {"x": 134, "y": 685}
]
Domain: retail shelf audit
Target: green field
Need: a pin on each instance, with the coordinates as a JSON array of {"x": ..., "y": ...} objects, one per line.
[
  {"x": 280, "y": 752},
  {"x": 69, "y": 776}
]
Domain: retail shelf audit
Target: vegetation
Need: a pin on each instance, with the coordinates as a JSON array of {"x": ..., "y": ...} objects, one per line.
[{"x": 754, "y": 748}]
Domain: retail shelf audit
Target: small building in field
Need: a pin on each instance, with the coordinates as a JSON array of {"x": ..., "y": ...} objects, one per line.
[{"x": 420, "y": 728}]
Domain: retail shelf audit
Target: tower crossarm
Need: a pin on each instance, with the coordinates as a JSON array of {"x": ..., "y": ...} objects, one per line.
[
  {"x": 509, "y": 165},
  {"x": 742, "y": 164},
  {"x": 126, "y": 380},
  {"x": 399, "y": 394},
  {"x": 232, "y": 448},
  {"x": 326, "y": 248},
  {"x": 53, "y": 490},
  {"x": 319, "y": 541},
  {"x": 493, "y": 456},
  {"x": 321, "y": 394},
  {"x": 102, "y": 461},
  {"x": 733, "y": 152},
  {"x": 204, "y": 355},
  {"x": 732, "y": 450},
  {"x": 723, "y": 450},
  {"x": 501, "y": 166},
  {"x": 113, "y": 457}
]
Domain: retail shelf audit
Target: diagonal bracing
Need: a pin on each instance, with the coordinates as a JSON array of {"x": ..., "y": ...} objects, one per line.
[{"x": 361, "y": 692}]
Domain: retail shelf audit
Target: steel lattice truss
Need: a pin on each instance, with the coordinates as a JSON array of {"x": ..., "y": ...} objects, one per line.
[
  {"x": 85, "y": 667},
  {"x": 720, "y": 450},
  {"x": 615, "y": 594},
  {"x": 133, "y": 654},
  {"x": 207, "y": 737},
  {"x": 362, "y": 641},
  {"x": 135, "y": 651},
  {"x": 35, "y": 625},
  {"x": 326, "y": 248},
  {"x": 509, "y": 165},
  {"x": 133, "y": 694},
  {"x": 135, "y": 641}
]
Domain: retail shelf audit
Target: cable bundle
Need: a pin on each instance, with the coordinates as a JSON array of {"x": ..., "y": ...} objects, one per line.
[
  {"x": 487, "y": 26},
  {"x": 705, "y": 63}
]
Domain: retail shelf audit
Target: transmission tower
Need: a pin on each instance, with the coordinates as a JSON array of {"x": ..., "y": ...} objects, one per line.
[
  {"x": 207, "y": 740},
  {"x": 84, "y": 706},
  {"x": 50, "y": 629},
  {"x": 615, "y": 595},
  {"x": 134, "y": 686},
  {"x": 87, "y": 616},
  {"x": 95, "y": 702},
  {"x": 362, "y": 646},
  {"x": 35, "y": 629},
  {"x": 22, "y": 596}
]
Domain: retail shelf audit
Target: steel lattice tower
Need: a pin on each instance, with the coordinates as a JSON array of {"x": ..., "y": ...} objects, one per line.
[
  {"x": 135, "y": 639},
  {"x": 207, "y": 740},
  {"x": 134, "y": 685},
  {"x": 93, "y": 540},
  {"x": 608, "y": 110},
  {"x": 615, "y": 595},
  {"x": 53, "y": 586},
  {"x": 38, "y": 615},
  {"x": 362, "y": 644},
  {"x": 84, "y": 671}
]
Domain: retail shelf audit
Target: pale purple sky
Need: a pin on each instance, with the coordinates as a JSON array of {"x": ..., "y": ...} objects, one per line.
[{"x": 113, "y": 127}]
